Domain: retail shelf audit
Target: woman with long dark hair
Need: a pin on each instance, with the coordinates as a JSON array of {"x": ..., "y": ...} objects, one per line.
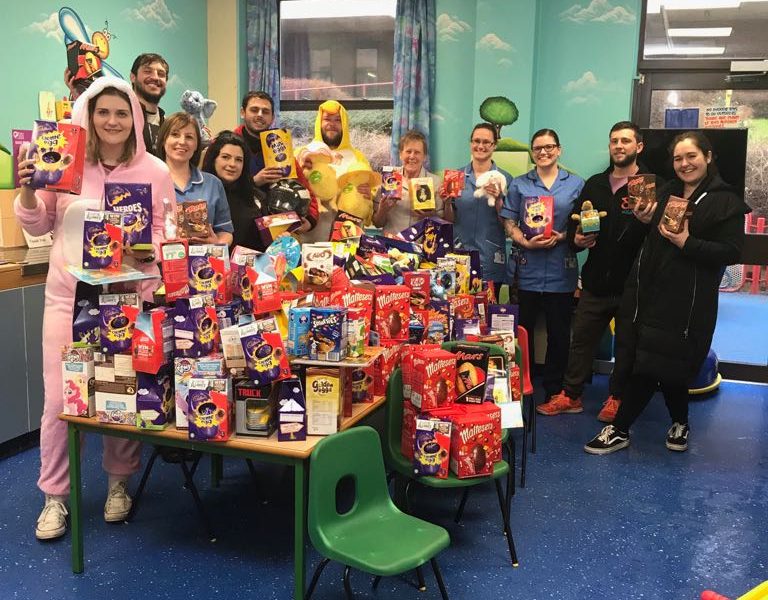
[
  {"x": 228, "y": 158},
  {"x": 670, "y": 300}
]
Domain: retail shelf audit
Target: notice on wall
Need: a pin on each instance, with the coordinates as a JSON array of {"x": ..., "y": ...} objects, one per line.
[{"x": 721, "y": 116}]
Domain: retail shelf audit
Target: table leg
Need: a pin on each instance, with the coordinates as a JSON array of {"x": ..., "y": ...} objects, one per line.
[
  {"x": 217, "y": 469},
  {"x": 299, "y": 528},
  {"x": 73, "y": 441}
]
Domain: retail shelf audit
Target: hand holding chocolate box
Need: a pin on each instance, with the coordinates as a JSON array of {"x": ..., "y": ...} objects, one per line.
[{"x": 675, "y": 214}]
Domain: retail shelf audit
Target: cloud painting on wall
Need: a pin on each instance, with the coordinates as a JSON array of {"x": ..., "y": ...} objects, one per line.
[
  {"x": 48, "y": 26},
  {"x": 450, "y": 27},
  {"x": 599, "y": 11},
  {"x": 491, "y": 41},
  {"x": 153, "y": 11},
  {"x": 587, "y": 89}
]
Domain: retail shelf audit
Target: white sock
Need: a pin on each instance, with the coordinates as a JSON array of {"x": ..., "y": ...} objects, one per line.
[
  {"x": 51, "y": 497},
  {"x": 115, "y": 479}
]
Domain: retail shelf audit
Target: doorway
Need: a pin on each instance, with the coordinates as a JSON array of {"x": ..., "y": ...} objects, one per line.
[{"x": 742, "y": 326}]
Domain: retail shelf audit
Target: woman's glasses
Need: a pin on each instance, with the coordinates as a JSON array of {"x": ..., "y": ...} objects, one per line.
[
  {"x": 482, "y": 143},
  {"x": 544, "y": 148}
]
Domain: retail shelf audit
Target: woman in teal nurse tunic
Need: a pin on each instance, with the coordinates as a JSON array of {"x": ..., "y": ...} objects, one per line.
[
  {"x": 547, "y": 269},
  {"x": 477, "y": 226}
]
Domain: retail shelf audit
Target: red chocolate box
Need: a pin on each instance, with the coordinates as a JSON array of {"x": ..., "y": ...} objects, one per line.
[
  {"x": 433, "y": 379},
  {"x": 418, "y": 282},
  {"x": 475, "y": 436},
  {"x": 393, "y": 312},
  {"x": 386, "y": 363}
]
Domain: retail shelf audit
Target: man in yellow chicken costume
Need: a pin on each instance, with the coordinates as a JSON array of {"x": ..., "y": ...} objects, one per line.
[{"x": 331, "y": 156}]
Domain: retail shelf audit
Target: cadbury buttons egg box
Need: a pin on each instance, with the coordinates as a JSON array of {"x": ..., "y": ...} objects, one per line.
[{"x": 277, "y": 148}]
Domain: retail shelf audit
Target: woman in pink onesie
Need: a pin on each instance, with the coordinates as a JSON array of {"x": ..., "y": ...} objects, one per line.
[{"x": 112, "y": 117}]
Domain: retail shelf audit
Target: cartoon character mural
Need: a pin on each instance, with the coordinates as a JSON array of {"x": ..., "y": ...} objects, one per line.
[{"x": 86, "y": 54}]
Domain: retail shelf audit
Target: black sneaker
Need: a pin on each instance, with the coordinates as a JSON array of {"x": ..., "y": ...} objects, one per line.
[
  {"x": 608, "y": 440},
  {"x": 677, "y": 437}
]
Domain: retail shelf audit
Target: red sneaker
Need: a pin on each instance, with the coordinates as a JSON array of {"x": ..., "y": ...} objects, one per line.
[
  {"x": 560, "y": 403},
  {"x": 609, "y": 410}
]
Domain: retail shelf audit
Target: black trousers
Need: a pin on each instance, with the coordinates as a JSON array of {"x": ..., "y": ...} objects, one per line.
[
  {"x": 592, "y": 317},
  {"x": 639, "y": 391},
  {"x": 557, "y": 308}
]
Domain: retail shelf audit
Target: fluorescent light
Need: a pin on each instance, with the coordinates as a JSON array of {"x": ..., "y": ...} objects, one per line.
[
  {"x": 322, "y": 9},
  {"x": 700, "y": 32},
  {"x": 661, "y": 50},
  {"x": 654, "y": 6}
]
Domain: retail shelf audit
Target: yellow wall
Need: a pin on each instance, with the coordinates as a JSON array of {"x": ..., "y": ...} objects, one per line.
[{"x": 223, "y": 61}]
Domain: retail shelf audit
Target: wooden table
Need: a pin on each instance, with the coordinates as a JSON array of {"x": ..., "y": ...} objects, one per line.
[{"x": 294, "y": 454}]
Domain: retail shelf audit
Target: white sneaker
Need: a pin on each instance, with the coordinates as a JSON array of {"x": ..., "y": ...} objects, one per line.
[
  {"x": 118, "y": 503},
  {"x": 52, "y": 522}
]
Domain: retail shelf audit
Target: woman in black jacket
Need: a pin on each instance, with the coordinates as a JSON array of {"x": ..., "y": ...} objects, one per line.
[
  {"x": 227, "y": 157},
  {"x": 670, "y": 299}
]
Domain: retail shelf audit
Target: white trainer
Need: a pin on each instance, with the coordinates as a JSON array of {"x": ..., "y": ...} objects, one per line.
[
  {"x": 52, "y": 522},
  {"x": 118, "y": 503}
]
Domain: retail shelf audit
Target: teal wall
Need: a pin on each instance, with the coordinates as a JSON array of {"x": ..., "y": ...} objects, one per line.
[
  {"x": 586, "y": 56},
  {"x": 175, "y": 29},
  {"x": 484, "y": 48},
  {"x": 566, "y": 64}
]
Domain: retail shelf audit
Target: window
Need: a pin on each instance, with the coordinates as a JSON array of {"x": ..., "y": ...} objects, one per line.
[
  {"x": 341, "y": 50},
  {"x": 705, "y": 29}
]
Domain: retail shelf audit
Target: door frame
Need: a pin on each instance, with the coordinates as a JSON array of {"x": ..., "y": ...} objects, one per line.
[{"x": 678, "y": 75}]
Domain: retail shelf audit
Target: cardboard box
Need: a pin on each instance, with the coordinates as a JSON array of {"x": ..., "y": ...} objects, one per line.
[
  {"x": 210, "y": 414},
  {"x": 116, "y": 386},
  {"x": 155, "y": 399},
  {"x": 185, "y": 369},
  {"x": 78, "y": 372},
  {"x": 11, "y": 235},
  {"x": 255, "y": 409},
  {"x": 292, "y": 411},
  {"x": 323, "y": 393},
  {"x": 59, "y": 153}
]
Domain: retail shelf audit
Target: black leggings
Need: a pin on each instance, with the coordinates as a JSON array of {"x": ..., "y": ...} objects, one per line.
[{"x": 639, "y": 391}]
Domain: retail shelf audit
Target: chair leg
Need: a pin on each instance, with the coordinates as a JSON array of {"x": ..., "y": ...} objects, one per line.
[
  {"x": 198, "y": 502},
  {"x": 460, "y": 512},
  {"x": 532, "y": 411},
  {"x": 252, "y": 471},
  {"x": 347, "y": 585},
  {"x": 376, "y": 581},
  {"x": 507, "y": 530},
  {"x": 143, "y": 483},
  {"x": 512, "y": 456},
  {"x": 420, "y": 577},
  {"x": 439, "y": 577},
  {"x": 315, "y": 577}
]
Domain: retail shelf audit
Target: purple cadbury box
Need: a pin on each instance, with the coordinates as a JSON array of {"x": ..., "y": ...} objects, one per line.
[{"x": 134, "y": 202}]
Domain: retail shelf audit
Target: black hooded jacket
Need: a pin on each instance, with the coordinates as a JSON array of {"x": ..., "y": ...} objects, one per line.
[
  {"x": 619, "y": 240},
  {"x": 669, "y": 307}
]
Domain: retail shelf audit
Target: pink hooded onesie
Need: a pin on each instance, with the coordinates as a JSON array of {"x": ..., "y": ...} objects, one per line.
[{"x": 121, "y": 457}]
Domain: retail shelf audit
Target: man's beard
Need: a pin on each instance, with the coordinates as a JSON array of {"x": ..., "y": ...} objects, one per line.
[
  {"x": 333, "y": 142},
  {"x": 145, "y": 95},
  {"x": 628, "y": 160}
]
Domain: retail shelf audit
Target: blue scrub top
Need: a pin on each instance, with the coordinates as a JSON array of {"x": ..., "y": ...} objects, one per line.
[
  {"x": 204, "y": 186},
  {"x": 477, "y": 227},
  {"x": 555, "y": 269}
]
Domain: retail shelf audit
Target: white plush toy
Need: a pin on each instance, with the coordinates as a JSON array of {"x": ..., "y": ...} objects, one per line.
[
  {"x": 486, "y": 179},
  {"x": 194, "y": 103}
]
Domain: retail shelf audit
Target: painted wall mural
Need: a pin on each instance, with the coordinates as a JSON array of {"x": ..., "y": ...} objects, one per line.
[{"x": 176, "y": 29}]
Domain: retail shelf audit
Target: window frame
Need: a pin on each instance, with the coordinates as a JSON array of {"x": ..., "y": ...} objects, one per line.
[{"x": 313, "y": 105}]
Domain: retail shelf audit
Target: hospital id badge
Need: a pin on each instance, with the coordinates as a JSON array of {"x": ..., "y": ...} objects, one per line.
[
  {"x": 571, "y": 262},
  {"x": 498, "y": 257}
]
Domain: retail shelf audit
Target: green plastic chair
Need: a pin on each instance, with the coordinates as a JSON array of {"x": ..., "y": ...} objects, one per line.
[
  {"x": 374, "y": 535},
  {"x": 402, "y": 468}
]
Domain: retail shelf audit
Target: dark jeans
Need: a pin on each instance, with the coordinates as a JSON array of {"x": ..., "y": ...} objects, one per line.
[
  {"x": 557, "y": 309},
  {"x": 592, "y": 317},
  {"x": 639, "y": 391}
]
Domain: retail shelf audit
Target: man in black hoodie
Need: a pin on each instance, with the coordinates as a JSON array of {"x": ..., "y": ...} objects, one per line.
[{"x": 611, "y": 254}]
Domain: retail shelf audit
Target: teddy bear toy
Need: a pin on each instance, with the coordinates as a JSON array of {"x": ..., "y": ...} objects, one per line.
[
  {"x": 193, "y": 103},
  {"x": 589, "y": 218},
  {"x": 485, "y": 180}
]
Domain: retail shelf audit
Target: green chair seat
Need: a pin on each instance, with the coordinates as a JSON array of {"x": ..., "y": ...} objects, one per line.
[
  {"x": 390, "y": 543},
  {"x": 373, "y": 535},
  {"x": 401, "y": 464}
]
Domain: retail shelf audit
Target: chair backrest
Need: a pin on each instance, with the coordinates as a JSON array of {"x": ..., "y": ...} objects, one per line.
[
  {"x": 354, "y": 453},
  {"x": 393, "y": 418},
  {"x": 525, "y": 366}
]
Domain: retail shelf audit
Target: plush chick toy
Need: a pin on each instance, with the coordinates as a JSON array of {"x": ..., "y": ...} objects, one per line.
[
  {"x": 589, "y": 218},
  {"x": 352, "y": 201},
  {"x": 193, "y": 103},
  {"x": 317, "y": 159}
]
